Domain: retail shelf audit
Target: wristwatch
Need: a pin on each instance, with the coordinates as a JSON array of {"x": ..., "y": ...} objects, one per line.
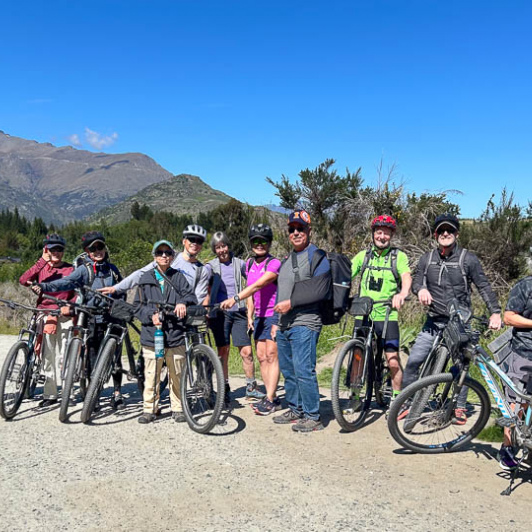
[{"x": 237, "y": 299}]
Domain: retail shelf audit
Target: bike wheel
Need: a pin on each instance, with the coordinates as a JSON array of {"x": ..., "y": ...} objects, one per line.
[
  {"x": 349, "y": 413},
  {"x": 202, "y": 388},
  {"x": 432, "y": 430},
  {"x": 100, "y": 375},
  {"x": 14, "y": 379},
  {"x": 72, "y": 362},
  {"x": 383, "y": 383}
]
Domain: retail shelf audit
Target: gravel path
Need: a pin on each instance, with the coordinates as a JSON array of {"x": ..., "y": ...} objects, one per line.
[{"x": 251, "y": 475}]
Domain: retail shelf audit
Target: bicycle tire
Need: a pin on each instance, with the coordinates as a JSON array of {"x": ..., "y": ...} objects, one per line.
[
  {"x": 72, "y": 361},
  {"x": 383, "y": 383},
  {"x": 341, "y": 388},
  {"x": 434, "y": 432},
  {"x": 99, "y": 377},
  {"x": 10, "y": 405},
  {"x": 198, "y": 389}
]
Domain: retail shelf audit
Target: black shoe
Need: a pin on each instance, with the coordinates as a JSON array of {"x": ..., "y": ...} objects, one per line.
[
  {"x": 146, "y": 418},
  {"x": 227, "y": 395},
  {"x": 117, "y": 402},
  {"x": 178, "y": 417},
  {"x": 46, "y": 402}
]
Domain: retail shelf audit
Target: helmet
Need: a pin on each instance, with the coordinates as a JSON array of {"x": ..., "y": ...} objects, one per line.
[
  {"x": 384, "y": 221},
  {"x": 195, "y": 230},
  {"x": 53, "y": 239},
  {"x": 446, "y": 219},
  {"x": 89, "y": 238},
  {"x": 261, "y": 230}
]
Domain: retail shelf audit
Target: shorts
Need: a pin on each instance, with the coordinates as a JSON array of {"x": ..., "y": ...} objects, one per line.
[
  {"x": 227, "y": 325},
  {"x": 513, "y": 366},
  {"x": 263, "y": 328},
  {"x": 391, "y": 343}
]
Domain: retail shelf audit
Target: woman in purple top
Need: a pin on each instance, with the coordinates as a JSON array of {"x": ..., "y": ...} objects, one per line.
[{"x": 261, "y": 272}]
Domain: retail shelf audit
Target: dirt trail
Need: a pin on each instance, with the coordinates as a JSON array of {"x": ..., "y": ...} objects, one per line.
[{"x": 251, "y": 475}]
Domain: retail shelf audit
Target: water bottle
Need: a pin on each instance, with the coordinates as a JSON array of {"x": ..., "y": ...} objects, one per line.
[{"x": 159, "y": 342}]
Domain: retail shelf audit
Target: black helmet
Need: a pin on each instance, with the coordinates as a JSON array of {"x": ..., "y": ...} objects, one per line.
[
  {"x": 446, "y": 219},
  {"x": 261, "y": 230},
  {"x": 89, "y": 238},
  {"x": 53, "y": 239}
]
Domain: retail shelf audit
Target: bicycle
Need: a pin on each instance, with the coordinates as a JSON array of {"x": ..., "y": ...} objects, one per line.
[
  {"x": 372, "y": 374},
  {"x": 22, "y": 368}
]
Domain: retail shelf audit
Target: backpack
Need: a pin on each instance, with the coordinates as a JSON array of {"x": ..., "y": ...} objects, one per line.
[
  {"x": 393, "y": 266},
  {"x": 461, "y": 261},
  {"x": 333, "y": 309},
  {"x": 82, "y": 260}
]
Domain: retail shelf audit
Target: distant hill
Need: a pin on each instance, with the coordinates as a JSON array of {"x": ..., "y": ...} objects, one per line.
[
  {"x": 64, "y": 184},
  {"x": 181, "y": 194}
]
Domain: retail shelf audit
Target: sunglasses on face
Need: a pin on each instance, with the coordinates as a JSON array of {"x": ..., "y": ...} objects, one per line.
[
  {"x": 163, "y": 252},
  {"x": 56, "y": 249},
  {"x": 97, "y": 247},
  {"x": 294, "y": 228},
  {"x": 259, "y": 242},
  {"x": 194, "y": 240},
  {"x": 450, "y": 230}
]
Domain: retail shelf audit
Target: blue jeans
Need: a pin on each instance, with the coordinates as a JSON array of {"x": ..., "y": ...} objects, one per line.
[{"x": 297, "y": 361}]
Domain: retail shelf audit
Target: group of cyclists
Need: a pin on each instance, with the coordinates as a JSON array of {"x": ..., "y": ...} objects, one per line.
[{"x": 277, "y": 303}]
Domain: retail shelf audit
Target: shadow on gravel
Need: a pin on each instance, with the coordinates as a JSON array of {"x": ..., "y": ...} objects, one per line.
[
  {"x": 327, "y": 415},
  {"x": 524, "y": 476}
]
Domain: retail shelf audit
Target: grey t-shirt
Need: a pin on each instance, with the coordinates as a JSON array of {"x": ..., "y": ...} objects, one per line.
[{"x": 307, "y": 316}]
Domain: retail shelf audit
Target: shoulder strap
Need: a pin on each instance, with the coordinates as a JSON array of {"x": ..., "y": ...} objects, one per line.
[
  {"x": 427, "y": 269},
  {"x": 461, "y": 262},
  {"x": 318, "y": 256},
  {"x": 393, "y": 257},
  {"x": 215, "y": 265},
  {"x": 295, "y": 267},
  {"x": 198, "y": 276},
  {"x": 365, "y": 262}
]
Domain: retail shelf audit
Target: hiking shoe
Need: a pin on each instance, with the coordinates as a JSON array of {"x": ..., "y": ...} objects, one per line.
[
  {"x": 308, "y": 425},
  {"x": 403, "y": 412},
  {"x": 252, "y": 392},
  {"x": 178, "y": 417},
  {"x": 459, "y": 416},
  {"x": 46, "y": 403},
  {"x": 256, "y": 405},
  {"x": 117, "y": 402},
  {"x": 146, "y": 418},
  {"x": 506, "y": 458},
  {"x": 267, "y": 407},
  {"x": 287, "y": 417}
]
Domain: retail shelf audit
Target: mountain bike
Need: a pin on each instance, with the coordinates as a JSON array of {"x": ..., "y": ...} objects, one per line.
[
  {"x": 22, "y": 368},
  {"x": 361, "y": 369}
]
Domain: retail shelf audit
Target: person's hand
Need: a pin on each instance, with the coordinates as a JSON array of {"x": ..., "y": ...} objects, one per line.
[
  {"x": 283, "y": 306},
  {"x": 424, "y": 297},
  {"x": 36, "y": 289},
  {"x": 251, "y": 324},
  {"x": 273, "y": 331},
  {"x": 65, "y": 311},
  {"x": 156, "y": 319},
  {"x": 227, "y": 304},
  {"x": 398, "y": 300},
  {"x": 46, "y": 255},
  {"x": 107, "y": 290},
  {"x": 495, "y": 321},
  {"x": 180, "y": 310}
]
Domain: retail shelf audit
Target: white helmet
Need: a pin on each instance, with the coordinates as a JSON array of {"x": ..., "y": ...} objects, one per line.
[{"x": 195, "y": 230}]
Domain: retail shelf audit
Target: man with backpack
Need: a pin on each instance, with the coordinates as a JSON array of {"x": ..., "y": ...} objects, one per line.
[
  {"x": 304, "y": 281},
  {"x": 444, "y": 274},
  {"x": 384, "y": 274}
]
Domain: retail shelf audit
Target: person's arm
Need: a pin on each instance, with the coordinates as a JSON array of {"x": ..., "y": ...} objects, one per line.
[
  {"x": 128, "y": 283},
  {"x": 202, "y": 288},
  {"x": 31, "y": 275},
  {"x": 144, "y": 312},
  {"x": 250, "y": 312},
  {"x": 264, "y": 280},
  {"x": 482, "y": 283},
  {"x": 315, "y": 289},
  {"x": 77, "y": 279},
  {"x": 403, "y": 269},
  {"x": 517, "y": 305},
  {"x": 512, "y": 319}
]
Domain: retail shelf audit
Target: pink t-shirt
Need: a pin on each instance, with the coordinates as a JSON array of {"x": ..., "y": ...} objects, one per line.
[{"x": 264, "y": 299}]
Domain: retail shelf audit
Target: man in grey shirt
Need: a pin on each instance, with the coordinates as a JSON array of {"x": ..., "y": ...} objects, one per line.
[{"x": 304, "y": 281}]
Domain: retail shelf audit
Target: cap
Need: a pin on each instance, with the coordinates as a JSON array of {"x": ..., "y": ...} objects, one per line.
[
  {"x": 300, "y": 217},
  {"x": 159, "y": 243}
]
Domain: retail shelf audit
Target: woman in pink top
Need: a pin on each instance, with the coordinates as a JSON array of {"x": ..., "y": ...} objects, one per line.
[{"x": 262, "y": 271}]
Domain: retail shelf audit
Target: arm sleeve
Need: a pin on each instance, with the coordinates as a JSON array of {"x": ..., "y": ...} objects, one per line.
[
  {"x": 356, "y": 264},
  {"x": 143, "y": 312},
  {"x": 417, "y": 281},
  {"x": 483, "y": 285},
  {"x": 77, "y": 279},
  {"x": 517, "y": 299},
  {"x": 32, "y": 274},
  {"x": 132, "y": 280},
  {"x": 402, "y": 263}
]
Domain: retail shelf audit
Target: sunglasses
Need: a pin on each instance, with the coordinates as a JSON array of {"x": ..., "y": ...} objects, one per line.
[
  {"x": 294, "y": 228},
  {"x": 97, "y": 247},
  {"x": 56, "y": 249},
  {"x": 162, "y": 253},
  {"x": 194, "y": 240},
  {"x": 259, "y": 242},
  {"x": 450, "y": 230}
]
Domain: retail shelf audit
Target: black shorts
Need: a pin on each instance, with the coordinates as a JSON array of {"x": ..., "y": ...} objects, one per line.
[
  {"x": 227, "y": 325},
  {"x": 391, "y": 342}
]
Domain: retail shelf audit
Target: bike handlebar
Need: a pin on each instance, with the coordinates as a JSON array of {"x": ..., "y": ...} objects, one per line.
[{"x": 13, "y": 305}]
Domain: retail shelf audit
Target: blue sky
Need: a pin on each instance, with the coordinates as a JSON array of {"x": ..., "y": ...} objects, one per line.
[{"x": 234, "y": 91}]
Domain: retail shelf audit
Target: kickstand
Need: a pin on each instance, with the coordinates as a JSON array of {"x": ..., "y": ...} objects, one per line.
[{"x": 508, "y": 491}]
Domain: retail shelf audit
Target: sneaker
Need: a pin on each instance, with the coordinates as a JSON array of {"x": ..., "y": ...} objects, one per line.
[
  {"x": 459, "y": 416},
  {"x": 117, "y": 402},
  {"x": 256, "y": 405},
  {"x": 308, "y": 425},
  {"x": 267, "y": 407},
  {"x": 46, "y": 403},
  {"x": 252, "y": 392},
  {"x": 146, "y": 418},
  {"x": 178, "y": 417},
  {"x": 287, "y": 417},
  {"x": 403, "y": 412},
  {"x": 506, "y": 458}
]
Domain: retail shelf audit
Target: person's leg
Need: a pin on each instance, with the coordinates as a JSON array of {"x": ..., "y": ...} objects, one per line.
[
  {"x": 152, "y": 377},
  {"x": 175, "y": 360},
  {"x": 49, "y": 349},
  {"x": 269, "y": 366},
  {"x": 390, "y": 344},
  {"x": 418, "y": 355},
  {"x": 286, "y": 364},
  {"x": 217, "y": 326}
]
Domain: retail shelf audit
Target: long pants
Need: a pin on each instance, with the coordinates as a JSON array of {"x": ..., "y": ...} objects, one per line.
[
  {"x": 53, "y": 352},
  {"x": 175, "y": 359}
]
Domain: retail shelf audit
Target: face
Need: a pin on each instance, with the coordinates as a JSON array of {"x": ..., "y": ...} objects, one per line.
[
  {"x": 382, "y": 237},
  {"x": 56, "y": 254},
  {"x": 260, "y": 246},
  {"x": 164, "y": 256},
  {"x": 446, "y": 236},
  {"x": 97, "y": 251},
  {"x": 192, "y": 245},
  {"x": 222, "y": 252},
  {"x": 299, "y": 236}
]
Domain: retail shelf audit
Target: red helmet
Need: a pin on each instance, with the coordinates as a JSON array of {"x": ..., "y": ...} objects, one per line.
[{"x": 384, "y": 221}]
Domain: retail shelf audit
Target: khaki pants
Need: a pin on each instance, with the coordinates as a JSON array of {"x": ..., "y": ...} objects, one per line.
[
  {"x": 174, "y": 358},
  {"x": 53, "y": 351}
]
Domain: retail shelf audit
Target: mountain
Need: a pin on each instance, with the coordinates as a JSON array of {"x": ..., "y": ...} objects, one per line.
[
  {"x": 181, "y": 194},
  {"x": 61, "y": 184}
]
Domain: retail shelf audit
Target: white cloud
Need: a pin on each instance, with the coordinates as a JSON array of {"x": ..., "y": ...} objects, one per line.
[
  {"x": 74, "y": 139},
  {"x": 99, "y": 141}
]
